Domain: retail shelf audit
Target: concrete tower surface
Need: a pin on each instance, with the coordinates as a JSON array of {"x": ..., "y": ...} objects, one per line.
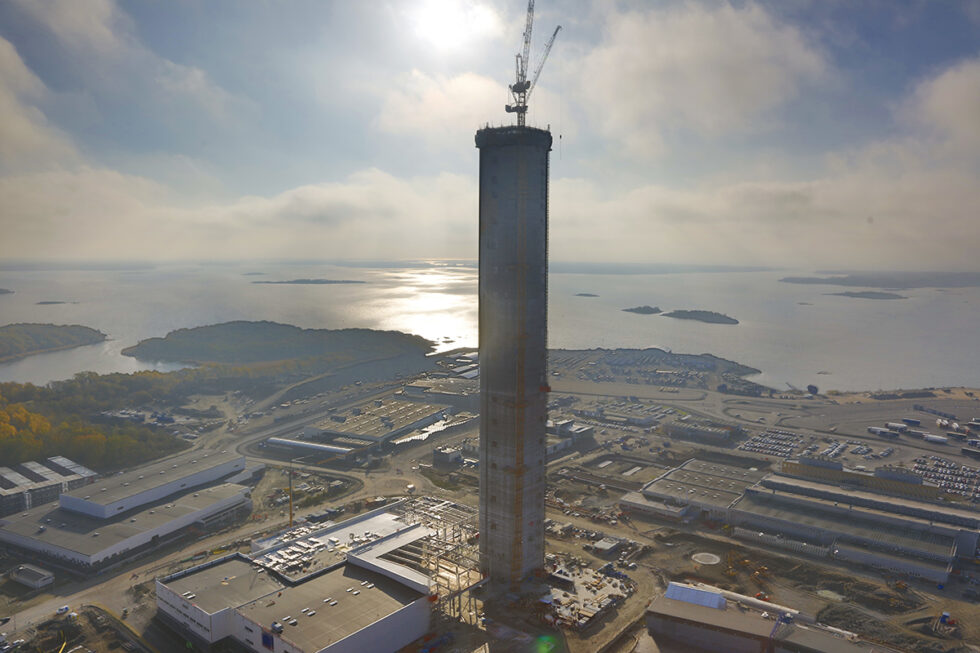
[{"x": 513, "y": 350}]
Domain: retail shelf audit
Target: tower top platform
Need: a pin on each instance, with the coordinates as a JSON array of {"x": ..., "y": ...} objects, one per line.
[{"x": 513, "y": 135}]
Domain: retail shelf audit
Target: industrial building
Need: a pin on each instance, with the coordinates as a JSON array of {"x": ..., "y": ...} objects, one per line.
[
  {"x": 702, "y": 432},
  {"x": 896, "y": 534},
  {"x": 376, "y": 423},
  {"x": 325, "y": 452},
  {"x": 365, "y": 584},
  {"x": 513, "y": 292},
  {"x": 715, "y": 619},
  {"x": 114, "y": 495},
  {"x": 31, "y": 484},
  {"x": 31, "y": 576},
  {"x": 116, "y": 517},
  {"x": 694, "y": 489},
  {"x": 84, "y": 543}
]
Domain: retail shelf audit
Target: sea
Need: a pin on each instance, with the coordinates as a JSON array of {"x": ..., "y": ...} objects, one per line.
[{"x": 794, "y": 334}]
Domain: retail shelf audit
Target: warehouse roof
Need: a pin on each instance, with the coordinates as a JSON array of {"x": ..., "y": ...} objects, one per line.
[
  {"x": 749, "y": 476},
  {"x": 228, "y": 584},
  {"x": 331, "y": 623},
  {"x": 147, "y": 477},
  {"x": 684, "y": 493},
  {"x": 970, "y": 517},
  {"x": 751, "y": 622},
  {"x": 378, "y": 422},
  {"x": 818, "y": 513},
  {"x": 89, "y": 535}
]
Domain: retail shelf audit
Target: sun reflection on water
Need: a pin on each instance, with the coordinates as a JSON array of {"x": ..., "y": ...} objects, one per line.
[{"x": 439, "y": 304}]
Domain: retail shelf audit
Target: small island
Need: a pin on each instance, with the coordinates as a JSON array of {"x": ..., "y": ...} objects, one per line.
[
  {"x": 4, "y": 291},
  {"x": 895, "y": 280},
  {"x": 49, "y": 302},
  {"x": 253, "y": 274},
  {"x": 643, "y": 310},
  {"x": 310, "y": 282},
  {"x": 20, "y": 340},
  {"x": 252, "y": 342},
  {"x": 586, "y": 294},
  {"x": 703, "y": 316},
  {"x": 868, "y": 294}
]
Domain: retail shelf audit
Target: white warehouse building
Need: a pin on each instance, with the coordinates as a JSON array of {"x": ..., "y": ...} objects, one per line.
[
  {"x": 86, "y": 543},
  {"x": 358, "y": 585},
  {"x": 103, "y": 523},
  {"x": 113, "y": 495}
]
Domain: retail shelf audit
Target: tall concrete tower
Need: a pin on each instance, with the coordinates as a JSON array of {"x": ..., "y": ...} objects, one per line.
[{"x": 513, "y": 349}]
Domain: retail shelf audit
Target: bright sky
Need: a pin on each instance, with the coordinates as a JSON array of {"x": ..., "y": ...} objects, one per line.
[{"x": 809, "y": 134}]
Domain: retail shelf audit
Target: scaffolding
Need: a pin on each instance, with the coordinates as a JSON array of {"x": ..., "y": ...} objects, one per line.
[{"x": 449, "y": 555}]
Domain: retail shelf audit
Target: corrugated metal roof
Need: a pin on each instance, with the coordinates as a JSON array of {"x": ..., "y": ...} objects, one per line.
[{"x": 688, "y": 594}]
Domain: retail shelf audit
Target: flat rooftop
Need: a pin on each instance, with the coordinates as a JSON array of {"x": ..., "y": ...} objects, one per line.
[
  {"x": 690, "y": 492},
  {"x": 450, "y": 385},
  {"x": 141, "y": 479},
  {"x": 33, "y": 573},
  {"x": 638, "y": 500},
  {"x": 90, "y": 535},
  {"x": 749, "y": 476},
  {"x": 898, "y": 560},
  {"x": 705, "y": 482},
  {"x": 379, "y": 422},
  {"x": 227, "y": 584},
  {"x": 816, "y": 514},
  {"x": 972, "y": 517},
  {"x": 331, "y": 623},
  {"x": 751, "y": 622}
]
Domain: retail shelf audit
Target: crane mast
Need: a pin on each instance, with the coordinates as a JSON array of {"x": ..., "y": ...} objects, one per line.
[{"x": 521, "y": 88}]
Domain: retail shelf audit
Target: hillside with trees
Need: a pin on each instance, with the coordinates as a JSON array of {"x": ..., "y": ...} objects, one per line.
[
  {"x": 252, "y": 342},
  {"x": 19, "y": 340},
  {"x": 29, "y": 435}
]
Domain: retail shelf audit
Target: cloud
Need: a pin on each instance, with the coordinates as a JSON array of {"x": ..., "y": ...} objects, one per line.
[
  {"x": 87, "y": 26},
  {"x": 445, "y": 111},
  {"x": 111, "y": 63},
  {"x": 861, "y": 218},
  {"x": 712, "y": 70},
  {"x": 98, "y": 213},
  {"x": 949, "y": 105},
  {"x": 27, "y": 140},
  {"x": 440, "y": 107}
]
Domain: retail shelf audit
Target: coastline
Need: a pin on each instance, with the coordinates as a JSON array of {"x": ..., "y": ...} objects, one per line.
[{"x": 17, "y": 357}]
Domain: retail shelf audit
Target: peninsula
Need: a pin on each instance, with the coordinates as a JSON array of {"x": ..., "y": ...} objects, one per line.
[
  {"x": 643, "y": 310},
  {"x": 251, "y": 342},
  {"x": 703, "y": 316},
  {"x": 309, "y": 282},
  {"x": 896, "y": 280},
  {"x": 868, "y": 294},
  {"x": 20, "y": 340}
]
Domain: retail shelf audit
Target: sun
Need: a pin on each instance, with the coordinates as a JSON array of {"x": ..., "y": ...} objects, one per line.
[{"x": 452, "y": 24}]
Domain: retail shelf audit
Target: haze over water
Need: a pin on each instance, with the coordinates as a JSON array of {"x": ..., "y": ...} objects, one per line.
[{"x": 926, "y": 340}]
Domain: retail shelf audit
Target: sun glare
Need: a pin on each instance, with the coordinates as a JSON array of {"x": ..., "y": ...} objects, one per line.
[{"x": 452, "y": 24}]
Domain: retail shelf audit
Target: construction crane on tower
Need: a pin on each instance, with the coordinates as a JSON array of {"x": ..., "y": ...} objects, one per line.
[{"x": 521, "y": 89}]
